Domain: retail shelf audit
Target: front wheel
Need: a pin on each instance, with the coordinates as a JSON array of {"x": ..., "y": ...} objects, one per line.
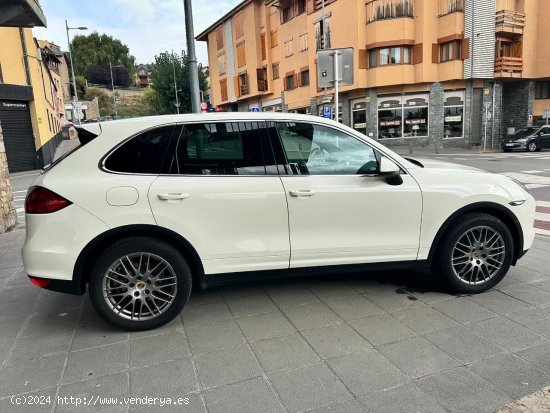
[
  {"x": 139, "y": 283},
  {"x": 532, "y": 146},
  {"x": 475, "y": 255}
]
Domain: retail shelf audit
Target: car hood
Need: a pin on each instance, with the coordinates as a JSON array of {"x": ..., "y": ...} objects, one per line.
[{"x": 441, "y": 166}]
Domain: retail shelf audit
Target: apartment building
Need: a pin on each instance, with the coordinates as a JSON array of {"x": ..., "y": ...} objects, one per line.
[
  {"x": 30, "y": 105},
  {"x": 445, "y": 72}
]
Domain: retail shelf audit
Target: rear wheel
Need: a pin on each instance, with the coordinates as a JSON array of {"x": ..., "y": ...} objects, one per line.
[
  {"x": 532, "y": 146},
  {"x": 140, "y": 283},
  {"x": 475, "y": 255}
]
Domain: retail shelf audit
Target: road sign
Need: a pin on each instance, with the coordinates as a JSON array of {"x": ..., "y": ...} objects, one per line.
[
  {"x": 254, "y": 110},
  {"x": 204, "y": 106},
  {"x": 325, "y": 67},
  {"x": 327, "y": 112}
]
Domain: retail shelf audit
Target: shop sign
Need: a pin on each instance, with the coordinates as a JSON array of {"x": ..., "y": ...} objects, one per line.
[
  {"x": 360, "y": 126},
  {"x": 453, "y": 118},
  {"x": 415, "y": 121},
  {"x": 390, "y": 123}
]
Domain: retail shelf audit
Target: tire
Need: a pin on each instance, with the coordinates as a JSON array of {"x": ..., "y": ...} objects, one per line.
[
  {"x": 532, "y": 146},
  {"x": 506, "y": 150},
  {"x": 147, "y": 302},
  {"x": 458, "y": 266}
]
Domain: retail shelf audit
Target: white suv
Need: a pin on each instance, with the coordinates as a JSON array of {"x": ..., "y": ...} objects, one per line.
[{"x": 146, "y": 208}]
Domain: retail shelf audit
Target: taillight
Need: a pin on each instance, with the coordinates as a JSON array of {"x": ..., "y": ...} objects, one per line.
[
  {"x": 43, "y": 201},
  {"x": 40, "y": 282}
]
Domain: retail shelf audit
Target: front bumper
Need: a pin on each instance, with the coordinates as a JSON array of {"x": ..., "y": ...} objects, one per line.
[{"x": 513, "y": 145}]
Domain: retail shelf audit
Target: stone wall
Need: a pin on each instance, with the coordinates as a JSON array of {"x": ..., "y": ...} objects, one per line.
[
  {"x": 518, "y": 100},
  {"x": 8, "y": 215}
]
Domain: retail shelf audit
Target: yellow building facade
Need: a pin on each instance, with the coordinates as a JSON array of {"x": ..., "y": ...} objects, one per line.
[
  {"x": 30, "y": 100},
  {"x": 444, "y": 72}
]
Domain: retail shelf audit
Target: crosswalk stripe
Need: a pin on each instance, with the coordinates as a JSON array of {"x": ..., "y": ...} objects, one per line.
[
  {"x": 542, "y": 218},
  {"x": 531, "y": 172}
]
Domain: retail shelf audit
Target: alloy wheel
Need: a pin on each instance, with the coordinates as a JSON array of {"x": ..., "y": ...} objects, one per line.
[
  {"x": 478, "y": 255},
  {"x": 139, "y": 286},
  {"x": 532, "y": 147}
]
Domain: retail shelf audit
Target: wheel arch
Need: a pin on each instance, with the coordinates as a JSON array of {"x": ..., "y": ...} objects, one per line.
[
  {"x": 81, "y": 272},
  {"x": 490, "y": 208}
]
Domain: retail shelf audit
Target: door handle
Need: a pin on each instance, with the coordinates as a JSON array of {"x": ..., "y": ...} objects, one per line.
[
  {"x": 173, "y": 196},
  {"x": 298, "y": 194}
]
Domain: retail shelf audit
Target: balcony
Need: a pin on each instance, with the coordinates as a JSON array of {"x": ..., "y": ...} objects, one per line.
[
  {"x": 450, "y": 6},
  {"x": 508, "y": 67},
  {"x": 21, "y": 13},
  {"x": 389, "y": 9},
  {"x": 510, "y": 23}
]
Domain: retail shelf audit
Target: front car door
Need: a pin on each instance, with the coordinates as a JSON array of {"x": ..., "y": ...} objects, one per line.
[
  {"x": 340, "y": 210},
  {"x": 219, "y": 195},
  {"x": 544, "y": 137}
]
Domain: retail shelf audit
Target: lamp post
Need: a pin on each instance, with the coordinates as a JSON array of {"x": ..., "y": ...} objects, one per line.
[
  {"x": 113, "y": 86},
  {"x": 72, "y": 67}
]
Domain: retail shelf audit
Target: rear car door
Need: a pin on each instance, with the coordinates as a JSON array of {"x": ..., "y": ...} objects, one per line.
[
  {"x": 221, "y": 192},
  {"x": 340, "y": 210}
]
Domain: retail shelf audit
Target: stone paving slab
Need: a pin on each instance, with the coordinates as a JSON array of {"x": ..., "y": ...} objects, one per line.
[{"x": 379, "y": 342}]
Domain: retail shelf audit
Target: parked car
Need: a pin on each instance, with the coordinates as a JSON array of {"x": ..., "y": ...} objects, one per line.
[
  {"x": 146, "y": 208},
  {"x": 529, "y": 139}
]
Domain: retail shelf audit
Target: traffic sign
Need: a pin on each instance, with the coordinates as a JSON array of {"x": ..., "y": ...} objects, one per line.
[
  {"x": 204, "y": 106},
  {"x": 254, "y": 110},
  {"x": 327, "y": 112}
]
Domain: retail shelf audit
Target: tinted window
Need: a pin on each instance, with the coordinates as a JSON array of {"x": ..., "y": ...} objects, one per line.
[
  {"x": 318, "y": 150},
  {"x": 143, "y": 154},
  {"x": 525, "y": 132},
  {"x": 224, "y": 148}
]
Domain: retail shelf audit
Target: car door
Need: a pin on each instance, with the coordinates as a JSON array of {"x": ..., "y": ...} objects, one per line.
[
  {"x": 340, "y": 210},
  {"x": 219, "y": 195},
  {"x": 544, "y": 137}
]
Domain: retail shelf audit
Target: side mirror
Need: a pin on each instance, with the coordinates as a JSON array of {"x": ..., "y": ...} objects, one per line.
[{"x": 391, "y": 171}]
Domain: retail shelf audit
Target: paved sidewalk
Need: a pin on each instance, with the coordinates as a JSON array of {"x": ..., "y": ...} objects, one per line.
[{"x": 384, "y": 342}]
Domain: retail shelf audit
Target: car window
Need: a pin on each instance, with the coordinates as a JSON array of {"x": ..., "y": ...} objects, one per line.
[
  {"x": 142, "y": 154},
  {"x": 545, "y": 131},
  {"x": 222, "y": 148},
  {"x": 319, "y": 150}
]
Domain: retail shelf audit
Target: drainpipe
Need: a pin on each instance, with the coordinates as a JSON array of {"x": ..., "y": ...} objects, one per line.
[{"x": 25, "y": 56}]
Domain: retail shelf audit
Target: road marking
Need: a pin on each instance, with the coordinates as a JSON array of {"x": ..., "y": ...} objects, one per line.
[
  {"x": 18, "y": 192},
  {"x": 20, "y": 210},
  {"x": 542, "y": 218},
  {"x": 531, "y": 172},
  {"x": 535, "y": 186}
]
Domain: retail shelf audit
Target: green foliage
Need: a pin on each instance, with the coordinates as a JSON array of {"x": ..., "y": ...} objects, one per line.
[
  {"x": 162, "y": 78},
  {"x": 80, "y": 86},
  {"x": 143, "y": 107},
  {"x": 96, "y": 49},
  {"x": 104, "y": 100}
]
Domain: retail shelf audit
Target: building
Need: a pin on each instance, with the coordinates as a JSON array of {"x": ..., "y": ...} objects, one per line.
[
  {"x": 142, "y": 76},
  {"x": 443, "y": 72}
]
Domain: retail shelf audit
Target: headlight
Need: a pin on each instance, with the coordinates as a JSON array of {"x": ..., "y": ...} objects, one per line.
[
  {"x": 520, "y": 184},
  {"x": 522, "y": 140}
]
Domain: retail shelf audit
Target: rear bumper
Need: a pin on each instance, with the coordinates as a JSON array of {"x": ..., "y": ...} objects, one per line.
[{"x": 66, "y": 287}]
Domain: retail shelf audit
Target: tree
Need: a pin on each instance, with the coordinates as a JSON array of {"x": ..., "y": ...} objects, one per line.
[
  {"x": 101, "y": 75},
  {"x": 80, "y": 86},
  {"x": 161, "y": 74},
  {"x": 96, "y": 49}
]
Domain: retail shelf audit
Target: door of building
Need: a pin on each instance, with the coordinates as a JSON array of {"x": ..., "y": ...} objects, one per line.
[{"x": 16, "y": 125}]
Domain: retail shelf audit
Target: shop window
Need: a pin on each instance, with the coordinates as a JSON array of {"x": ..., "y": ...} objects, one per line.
[
  {"x": 390, "y": 123},
  {"x": 415, "y": 122},
  {"x": 454, "y": 116},
  {"x": 359, "y": 117},
  {"x": 275, "y": 68},
  {"x": 403, "y": 117},
  {"x": 542, "y": 90}
]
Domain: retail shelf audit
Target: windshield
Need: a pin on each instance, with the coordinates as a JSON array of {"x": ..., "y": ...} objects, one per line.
[{"x": 524, "y": 132}]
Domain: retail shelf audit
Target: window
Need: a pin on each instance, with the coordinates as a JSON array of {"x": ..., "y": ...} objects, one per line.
[
  {"x": 286, "y": 14},
  {"x": 275, "y": 68},
  {"x": 219, "y": 38},
  {"x": 242, "y": 81},
  {"x": 262, "y": 45},
  {"x": 219, "y": 149},
  {"x": 303, "y": 42},
  {"x": 288, "y": 48},
  {"x": 454, "y": 121},
  {"x": 221, "y": 64},
  {"x": 223, "y": 89},
  {"x": 304, "y": 78},
  {"x": 274, "y": 39},
  {"x": 290, "y": 83},
  {"x": 450, "y": 51},
  {"x": 542, "y": 90},
  {"x": 302, "y": 6},
  {"x": 322, "y": 34},
  {"x": 397, "y": 55},
  {"x": 238, "y": 23},
  {"x": 319, "y": 150},
  {"x": 407, "y": 55},
  {"x": 372, "y": 58},
  {"x": 384, "y": 57},
  {"x": 261, "y": 78},
  {"x": 241, "y": 55},
  {"x": 142, "y": 154},
  {"x": 403, "y": 116}
]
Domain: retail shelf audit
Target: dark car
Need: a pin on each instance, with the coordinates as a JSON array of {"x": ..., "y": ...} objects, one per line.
[{"x": 529, "y": 139}]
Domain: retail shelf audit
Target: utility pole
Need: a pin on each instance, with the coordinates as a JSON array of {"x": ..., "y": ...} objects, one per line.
[
  {"x": 113, "y": 87},
  {"x": 191, "y": 57},
  {"x": 175, "y": 83}
]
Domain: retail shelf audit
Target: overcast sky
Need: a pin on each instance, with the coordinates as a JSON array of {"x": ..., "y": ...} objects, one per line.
[{"x": 147, "y": 27}]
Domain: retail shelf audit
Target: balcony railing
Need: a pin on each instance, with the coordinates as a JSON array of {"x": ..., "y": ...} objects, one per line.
[
  {"x": 389, "y": 9},
  {"x": 243, "y": 89},
  {"x": 509, "y": 66},
  {"x": 510, "y": 22},
  {"x": 262, "y": 85},
  {"x": 450, "y": 6}
]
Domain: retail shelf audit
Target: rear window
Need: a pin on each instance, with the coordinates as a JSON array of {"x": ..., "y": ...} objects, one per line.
[{"x": 142, "y": 154}]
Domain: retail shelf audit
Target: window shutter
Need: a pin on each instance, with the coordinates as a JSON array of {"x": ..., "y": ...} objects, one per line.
[
  {"x": 465, "y": 52},
  {"x": 435, "y": 53},
  {"x": 517, "y": 49},
  {"x": 237, "y": 88},
  {"x": 363, "y": 59},
  {"x": 418, "y": 54},
  {"x": 262, "y": 41},
  {"x": 285, "y": 85},
  {"x": 297, "y": 79},
  {"x": 310, "y": 6}
]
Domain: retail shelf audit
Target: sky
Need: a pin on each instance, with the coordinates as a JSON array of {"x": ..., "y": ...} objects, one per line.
[{"x": 147, "y": 27}]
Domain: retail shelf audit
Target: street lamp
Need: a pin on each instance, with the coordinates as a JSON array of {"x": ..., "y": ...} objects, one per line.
[{"x": 72, "y": 67}]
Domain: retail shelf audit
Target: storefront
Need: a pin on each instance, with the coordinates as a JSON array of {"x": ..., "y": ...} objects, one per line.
[
  {"x": 454, "y": 114},
  {"x": 359, "y": 116},
  {"x": 403, "y": 116},
  {"x": 18, "y": 136}
]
